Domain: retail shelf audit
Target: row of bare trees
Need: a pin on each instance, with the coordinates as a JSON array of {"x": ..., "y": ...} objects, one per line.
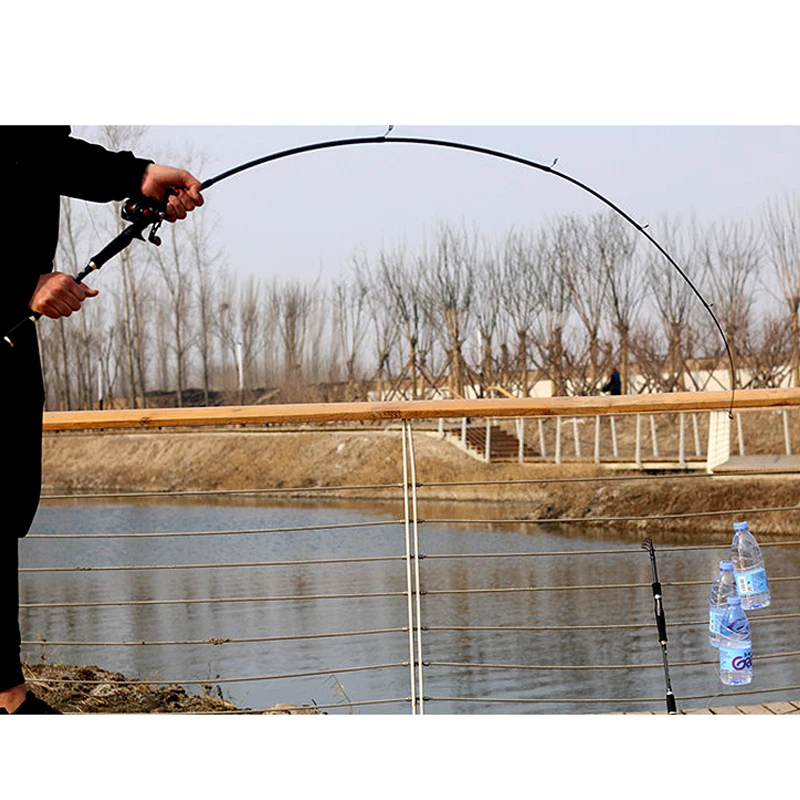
[{"x": 564, "y": 302}]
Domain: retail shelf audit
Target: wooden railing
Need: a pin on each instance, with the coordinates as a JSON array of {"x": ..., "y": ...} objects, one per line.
[{"x": 419, "y": 409}]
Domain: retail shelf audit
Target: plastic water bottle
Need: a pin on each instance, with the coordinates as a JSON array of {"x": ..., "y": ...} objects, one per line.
[
  {"x": 735, "y": 646},
  {"x": 724, "y": 586},
  {"x": 748, "y": 567}
]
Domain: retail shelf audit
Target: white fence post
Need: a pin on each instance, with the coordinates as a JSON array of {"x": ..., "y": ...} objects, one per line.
[
  {"x": 614, "y": 443},
  {"x": 558, "y": 440},
  {"x": 653, "y": 436},
  {"x": 740, "y": 433},
  {"x": 639, "y": 440},
  {"x": 786, "y": 436},
  {"x": 597, "y": 439},
  {"x": 719, "y": 439}
]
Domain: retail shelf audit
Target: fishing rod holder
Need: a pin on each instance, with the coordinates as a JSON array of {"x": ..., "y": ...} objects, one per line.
[{"x": 661, "y": 624}]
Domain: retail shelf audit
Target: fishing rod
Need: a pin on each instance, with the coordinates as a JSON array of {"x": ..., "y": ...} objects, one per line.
[
  {"x": 141, "y": 212},
  {"x": 661, "y": 623},
  {"x": 119, "y": 244}
]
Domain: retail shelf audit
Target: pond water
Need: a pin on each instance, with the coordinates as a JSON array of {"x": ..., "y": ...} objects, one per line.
[{"x": 471, "y": 666}]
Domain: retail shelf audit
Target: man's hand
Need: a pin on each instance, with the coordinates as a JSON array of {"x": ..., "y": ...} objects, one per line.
[
  {"x": 158, "y": 178},
  {"x": 58, "y": 295}
]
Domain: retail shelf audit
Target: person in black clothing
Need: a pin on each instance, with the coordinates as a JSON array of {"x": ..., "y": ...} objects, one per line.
[
  {"x": 39, "y": 165},
  {"x": 614, "y": 385}
]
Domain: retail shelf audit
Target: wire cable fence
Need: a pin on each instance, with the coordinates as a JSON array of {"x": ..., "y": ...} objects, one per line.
[{"x": 395, "y": 607}]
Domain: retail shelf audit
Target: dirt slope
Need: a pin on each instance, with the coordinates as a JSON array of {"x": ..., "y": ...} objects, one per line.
[{"x": 304, "y": 461}]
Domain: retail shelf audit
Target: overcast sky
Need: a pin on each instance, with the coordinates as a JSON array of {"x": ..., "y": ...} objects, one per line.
[{"x": 307, "y": 215}]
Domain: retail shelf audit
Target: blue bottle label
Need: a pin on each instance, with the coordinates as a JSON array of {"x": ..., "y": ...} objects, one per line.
[
  {"x": 735, "y": 659},
  {"x": 753, "y": 581},
  {"x": 715, "y": 616}
]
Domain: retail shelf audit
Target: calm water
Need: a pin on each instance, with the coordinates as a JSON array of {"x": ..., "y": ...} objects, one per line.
[{"x": 461, "y": 689}]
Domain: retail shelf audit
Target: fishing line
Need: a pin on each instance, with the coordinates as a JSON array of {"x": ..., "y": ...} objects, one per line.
[{"x": 139, "y": 223}]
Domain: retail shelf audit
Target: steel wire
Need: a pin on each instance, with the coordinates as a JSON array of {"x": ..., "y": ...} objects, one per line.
[
  {"x": 301, "y": 563},
  {"x": 589, "y": 700},
  {"x": 420, "y": 484},
  {"x": 740, "y": 691},
  {"x": 214, "y": 681},
  {"x": 217, "y": 641},
  {"x": 214, "y": 600},
  {"x": 169, "y": 534},
  {"x": 651, "y": 518},
  {"x": 540, "y": 700},
  {"x": 342, "y": 596},
  {"x": 594, "y": 667},
  {"x": 511, "y": 589}
]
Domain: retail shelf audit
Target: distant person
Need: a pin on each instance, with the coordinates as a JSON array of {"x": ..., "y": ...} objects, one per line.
[
  {"x": 39, "y": 165},
  {"x": 614, "y": 385}
]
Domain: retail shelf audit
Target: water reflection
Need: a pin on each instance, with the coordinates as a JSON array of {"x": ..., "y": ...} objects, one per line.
[{"x": 449, "y": 605}]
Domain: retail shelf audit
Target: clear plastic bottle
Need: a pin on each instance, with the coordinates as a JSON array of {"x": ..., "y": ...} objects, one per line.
[
  {"x": 735, "y": 646},
  {"x": 724, "y": 586},
  {"x": 748, "y": 567}
]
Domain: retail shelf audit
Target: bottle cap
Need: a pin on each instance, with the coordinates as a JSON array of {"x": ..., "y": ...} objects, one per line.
[
  {"x": 734, "y": 601},
  {"x": 727, "y": 565},
  {"x": 740, "y": 526}
]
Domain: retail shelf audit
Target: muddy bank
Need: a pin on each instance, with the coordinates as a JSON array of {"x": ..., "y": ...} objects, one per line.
[
  {"x": 88, "y": 689},
  {"x": 369, "y": 464}
]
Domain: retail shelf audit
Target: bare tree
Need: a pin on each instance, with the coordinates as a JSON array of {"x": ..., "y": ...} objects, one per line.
[
  {"x": 380, "y": 310},
  {"x": 206, "y": 265},
  {"x": 781, "y": 227},
  {"x": 554, "y": 295},
  {"x": 449, "y": 288},
  {"x": 175, "y": 274},
  {"x": 583, "y": 249},
  {"x": 614, "y": 247},
  {"x": 401, "y": 284},
  {"x": 672, "y": 295},
  {"x": 731, "y": 257},
  {"x": 350, "y": 306},
  {"x": 118, "y": 137},
  {"x": 290, "y": 307},
  {"x": 522, "y": 263}
]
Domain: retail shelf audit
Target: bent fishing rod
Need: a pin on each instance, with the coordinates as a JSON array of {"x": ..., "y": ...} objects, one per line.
[{"x": 144, "y": 212}]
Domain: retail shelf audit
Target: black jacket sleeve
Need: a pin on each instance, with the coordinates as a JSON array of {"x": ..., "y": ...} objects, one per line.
[{"x": 39, "y": 164}]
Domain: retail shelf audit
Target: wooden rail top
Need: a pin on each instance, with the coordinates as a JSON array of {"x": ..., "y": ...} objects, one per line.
[{"x": 419, "y": 409}]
